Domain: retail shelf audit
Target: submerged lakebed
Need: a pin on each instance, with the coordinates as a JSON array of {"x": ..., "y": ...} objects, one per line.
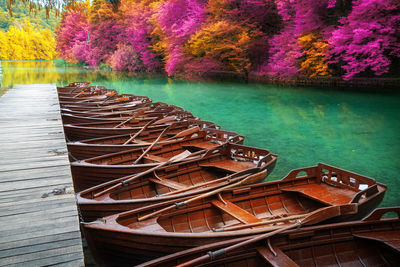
[{"x": 356, "y": 131}]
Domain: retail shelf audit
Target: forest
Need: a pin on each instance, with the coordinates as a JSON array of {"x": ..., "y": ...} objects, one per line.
[
  {"x": 191, "y": 38},
  {"x": 27, "y": 34}
]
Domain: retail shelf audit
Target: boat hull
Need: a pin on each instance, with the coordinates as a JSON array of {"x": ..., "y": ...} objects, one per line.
[{"x": 122, "y": 247}]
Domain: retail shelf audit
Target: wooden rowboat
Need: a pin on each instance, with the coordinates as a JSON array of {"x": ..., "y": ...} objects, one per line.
[
  {"x": 89, "y": 148},
  {"x": 146, "y": 233},
  {"x": 72, "y": 119},
  {"x": 90, "y": 95},
  {"x": 93, "y": 204},
  {"x": 371, "y": 242},
  {"x": 72, "y": 87},
  {"x": 112, "y": 109},
  {"x": 226, "y": 159},
  {"x": 104, "y": 100},
  {"x": 80, "y": 131},
  {"x": 191, "y": 177}
]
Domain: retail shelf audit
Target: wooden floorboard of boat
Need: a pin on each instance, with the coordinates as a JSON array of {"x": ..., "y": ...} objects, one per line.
[{"x": 38, "y": 227}]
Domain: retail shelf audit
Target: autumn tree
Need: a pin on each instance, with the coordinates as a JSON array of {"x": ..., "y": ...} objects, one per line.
[
  {"x": 104, "y": 30},
  {"x": 224, "y": 42},
  {"x": 136, "y": 16},
  {"x": 72, "y": 36},
  {"x": 3, "y": 45},
  {"x": 178, "y": 20},
  {"x": 368, "y": 38},
  {"x": 314, "y": 62}
]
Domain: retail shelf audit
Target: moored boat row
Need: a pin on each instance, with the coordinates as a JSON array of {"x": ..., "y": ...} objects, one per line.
[{"x": 152, "y": 180}]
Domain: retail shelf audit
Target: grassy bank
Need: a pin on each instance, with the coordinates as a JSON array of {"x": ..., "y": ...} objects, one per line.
[{"x": 3, "y": 91}]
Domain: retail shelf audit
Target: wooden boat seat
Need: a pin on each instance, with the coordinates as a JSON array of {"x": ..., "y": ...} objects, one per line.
[
  {"x": 327, "y": 194},
  {"x": 236, "y": 212},
  {"x": 168, "y": 183},
  {"x": 202, "y": 145},
  {"x": 230, "y": 165},
  {"x": 281, "y": 259},
  {"x": 155, "y": 158},
  {"x": 389, "y": 238}
]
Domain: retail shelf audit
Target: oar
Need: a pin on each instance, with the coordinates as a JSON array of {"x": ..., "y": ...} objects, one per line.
[
  {"x": 120, "y": 105},
  {"x": 125, "y": 121},
  {"x": 248, "y": 179},
  {"x": 180, "y": 134},
  {"x": 130, "y": 178},
  {"x": 228, "y": 179},
  {"x": 139, "y": 132},
  {"x": 135, "y": 111},
  {"x": 152, "y": 144},
  {"x": 312, "y": 218}
]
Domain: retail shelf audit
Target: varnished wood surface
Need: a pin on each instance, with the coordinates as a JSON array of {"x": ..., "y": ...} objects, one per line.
[{"x": 37, "y": 227}]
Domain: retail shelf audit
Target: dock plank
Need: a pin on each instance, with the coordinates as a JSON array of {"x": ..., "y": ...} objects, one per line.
[{"x": 37, "y": 226}]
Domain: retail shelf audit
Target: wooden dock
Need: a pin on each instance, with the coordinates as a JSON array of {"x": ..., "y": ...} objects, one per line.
[{"x": 39, "y": 223}]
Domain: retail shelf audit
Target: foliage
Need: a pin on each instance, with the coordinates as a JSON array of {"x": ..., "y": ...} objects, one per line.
[
  {"x": 225, "y": 42},
  {"x": 178, "y": 20},
  {"x": 22, "y": 11},
  {"x": 105, "y": 30},
  {"x": 314, "y": 61},
  {"x": 369, "y": 38},
  {"x": 72, "y": 36},
  {"x": 193, "y": 38},
  {"x": 26, "y": 43},
  {"x": 125, "y": 58},
  {"x": 136, "y": 20}
]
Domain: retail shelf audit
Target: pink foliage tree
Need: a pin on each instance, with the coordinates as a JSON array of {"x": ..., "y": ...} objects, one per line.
[
  {"x": 104, "y": 37},
  {"x": 179, "y": 19},
  {"x": 138, "y": 33},
  {"x": 299, "y": 17},
  {"x": 72, "y": 37},
  {"x": 126, "y": 58},
  {"x": 369, "y": 37}
]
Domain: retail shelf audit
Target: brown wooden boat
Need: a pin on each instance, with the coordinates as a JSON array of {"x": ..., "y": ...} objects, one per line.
[
  {"x": 80, "y": 131},
  {"x": 104, "y": 100},
  {"x": 371, "y": 242},
  {"x": 100, "y": 146},
  {"x": 90, "y": 95},
  {"x": 156, "y": 190},
  {"x": 146, "y": 233},
  {"x": 171, "y": 111},
  {"x": 123, "y": 108},
  {"x": 72, "y": 87},
  {"x": 227, "y": 158},
  {"x": 89, "y": 148},
  {"x": 70, "y": 92}
]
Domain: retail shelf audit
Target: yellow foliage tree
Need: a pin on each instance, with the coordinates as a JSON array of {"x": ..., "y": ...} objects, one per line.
[
  {"x": 27, "y": 43},
  {"x": 314, "y": 61},
  {"x": 225, "y": 42},
  {"x": 3, "y": 45}
]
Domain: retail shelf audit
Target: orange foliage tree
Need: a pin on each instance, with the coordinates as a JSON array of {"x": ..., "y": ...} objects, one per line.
[
  {"x": 314, "y": 60},
  {"x": 224, "y": 41}
]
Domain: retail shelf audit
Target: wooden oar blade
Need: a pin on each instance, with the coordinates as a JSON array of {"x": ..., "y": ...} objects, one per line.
[
  {"x": 187, "y": 132},
  {"x": 166, "y": 119},
  {"x": 328, "y": 213},
  {"x": 180, "y": 156}
]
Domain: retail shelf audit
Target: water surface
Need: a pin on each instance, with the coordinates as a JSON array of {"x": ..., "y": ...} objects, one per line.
[{"x": 352, "y": 130}]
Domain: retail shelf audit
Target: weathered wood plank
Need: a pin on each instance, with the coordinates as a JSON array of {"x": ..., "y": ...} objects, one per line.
[
  {"x": 36, "y": 183},
  {"x": 38, "y": 228},
  {"x": 60, "y": 260},
  {"x": 41, "y": 240},
  {"x": 39, "y": 255},
  {"x": 34, "y": 165}
]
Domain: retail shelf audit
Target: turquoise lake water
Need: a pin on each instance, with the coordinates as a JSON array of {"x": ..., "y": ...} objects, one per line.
[{"x": 356, "y": 131}]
